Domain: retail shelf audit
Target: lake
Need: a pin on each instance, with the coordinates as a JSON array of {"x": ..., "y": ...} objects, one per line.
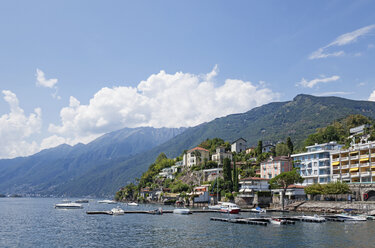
[{"x": 34, "y": 222}]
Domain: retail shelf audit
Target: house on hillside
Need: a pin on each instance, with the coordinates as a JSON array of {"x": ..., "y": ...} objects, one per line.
[
  {"x": 195, "y": 156},
  {"x": 249, "y": 188},
  {"x": 212, "y": 174},
  {"x": 275, "y": 166},
  {"x": 220, "y": 155},
  {"x": 238, "y": 145},
  {"x": 267, "y": 148}
]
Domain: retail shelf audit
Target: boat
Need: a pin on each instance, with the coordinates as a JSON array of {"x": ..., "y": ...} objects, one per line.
[
  {"x": 70, "y": 205},
  {"x": 350, "y": 217},
  {"x": 215, "y": 207},
  {"x": 82, "y": 201},
  {"x": 117, "y": 211},
  {"x": 181, "y": 211},
  {"x": 258, "y": 210},
  {"x": 107, "y": 202},
  {"x": 132, "y": 204},
  {"x": 230, "y": 208},
  {"x": 66, "y": 201},
  {"x": 277, "y": 221},
  {"x": 314, "y": 218},
  {"x": 156, "y": 211}
]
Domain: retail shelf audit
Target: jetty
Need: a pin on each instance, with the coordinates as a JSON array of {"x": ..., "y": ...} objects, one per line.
[
  {"x": 169, "y": 211},
  {"x": 253, "y": 221}
]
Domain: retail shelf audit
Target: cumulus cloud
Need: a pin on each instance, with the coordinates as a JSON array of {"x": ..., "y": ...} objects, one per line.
[
  {"x": 312, "y": 83},
  {"x": 48, "y": 83},
  {"x": 342, "y": 40},
  {"x": 372, "y": 96},
  {"x": 16, "y": 127},
  {"x": 163, "y": 100}
]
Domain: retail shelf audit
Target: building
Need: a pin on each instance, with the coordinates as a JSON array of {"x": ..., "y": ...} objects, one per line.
[
  {"x": 195, "y": 156},
  {"x": 167, "y": 173},
  {"x": 238, "y": 145},
  {"x": 354, "y": 165},
  {"x": 292, "y": 192},
  {"x": 220, "y": 155},
  {"x": 274, "y": 166},
  {"x": 251, "y": 185},
  {"x": 315, "y": 164},
  {"x": 267, "y": 148},
  {"x": 250, "y": 149},
  {"x": 212, "y": 174}
]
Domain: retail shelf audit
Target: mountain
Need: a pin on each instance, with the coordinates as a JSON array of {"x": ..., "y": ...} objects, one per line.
[
  {"x": 94, "y": 170},
  {"x": 50, "y": 170}
]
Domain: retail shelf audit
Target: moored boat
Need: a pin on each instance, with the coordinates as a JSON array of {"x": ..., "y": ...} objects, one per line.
[
  {"x": 132, "y": 204},
  {"x": 107, "y": 202},
  {"x": 230, "y": 208},
  {"x": 258, "y": 210},
  {"x": 277, "y": 221},
  {"x": 314, "y": 218},
  {"x": 181, "y": 211},
  {"x": 117, "y": 211},
  {"x": 82, "y": 201},
  {"x": 348, "y": 217},
  {"x": 70, "y": 205}
]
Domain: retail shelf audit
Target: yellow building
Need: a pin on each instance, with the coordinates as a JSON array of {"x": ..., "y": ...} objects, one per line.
[{"x": 354, "y": 165}]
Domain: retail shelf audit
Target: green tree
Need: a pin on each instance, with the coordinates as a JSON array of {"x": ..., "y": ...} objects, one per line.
[
  {"x": 282, "y": 150},
  {"x": 284, "y": 180},
  {"x": 289, "y": 143},
  {"x": 235, "y": 176},
  {"x": 336, "y": 188},
  {"x": 314, "y": 189},
  {"x": 227, "y": 173},
  {"x": 259, "y": 148}
]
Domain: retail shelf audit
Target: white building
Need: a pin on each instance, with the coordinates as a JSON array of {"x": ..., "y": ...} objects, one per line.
[
  {"x": 212, "y": 174},
  {"x": 239, "y": 145},
  {"x": 220, "y": 155},
  {"x": 315, "y": 164},
  {"x": 167, "y": 173},
  {"x": 195, "y": 156},
  {"x": 251, "y": 185}
]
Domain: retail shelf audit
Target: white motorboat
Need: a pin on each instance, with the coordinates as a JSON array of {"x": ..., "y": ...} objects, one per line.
[
  {"x": 230, "y": 208},
  {"x": 314, "y": 218},
  {"x": 70, "y": 205},
  {"x": 107, "y": 202},
  {"x": 82, "y": 201},
  {"x": 132, "y": 204},
  {"x": 258, "y": 210},
  {"x": 348, "y": 217},
  {"x": 215, "y": 207},
  {"x": 117, "y": 211},
  {"x": 277, "y": 221},
  {"x": 181, "y": 211}
]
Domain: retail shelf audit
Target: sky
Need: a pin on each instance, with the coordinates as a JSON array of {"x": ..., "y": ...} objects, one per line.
[{"x": 71, "y": 71}]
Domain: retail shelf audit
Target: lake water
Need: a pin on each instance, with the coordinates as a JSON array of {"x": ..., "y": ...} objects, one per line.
[{"x": 33, "y": 222}]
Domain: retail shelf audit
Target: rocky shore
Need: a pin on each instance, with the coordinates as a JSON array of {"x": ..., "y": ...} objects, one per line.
[{"x": 333, "y": 207}]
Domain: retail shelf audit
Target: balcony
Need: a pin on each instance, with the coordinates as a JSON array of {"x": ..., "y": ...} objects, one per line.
[
  {"x": 354, "y": 157},
  {"x": 344, "y": 159},
  {"x": 364, "y": 156},
  {"x": 335, "y": 159},
  {"x": 355, "y": 174},
  {"x": 345, "y": 175},
  {"x": 365, "y": 174},
  {"x": 365, "y": 164},
  {"x": 352, "y": 166},
  {"x": 336, "y": 176},
  {"x": 346, "y": 166}
]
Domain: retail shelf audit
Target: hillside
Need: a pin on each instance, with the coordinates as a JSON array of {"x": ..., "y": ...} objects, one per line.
[
  {"x": 85, "y": 175},
  {"x": 48, "y": 171}
]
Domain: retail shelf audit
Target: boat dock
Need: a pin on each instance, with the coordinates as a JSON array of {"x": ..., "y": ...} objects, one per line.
[
  {"x": 194, "y": 211},
  {"x": 252, "y": 221}
]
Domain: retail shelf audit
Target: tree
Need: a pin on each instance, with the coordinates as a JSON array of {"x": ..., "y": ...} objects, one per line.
[
  {"x": 227, "y": 173},
  {"x": 284, "y": 180},
  {"x": 282, "y": 150},
  {"x": 289, "y": 143},
  {"x": 314, "y": 189},
  {"x": 235, "y": 176},
  {"x": 259, "y": 148},
  {"x": 161, "y": 157}
]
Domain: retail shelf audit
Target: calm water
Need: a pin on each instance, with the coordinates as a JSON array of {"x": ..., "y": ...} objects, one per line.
[{"x": 33, "y": 222}]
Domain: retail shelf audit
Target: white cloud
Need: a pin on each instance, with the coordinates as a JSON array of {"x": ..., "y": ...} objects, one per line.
[
  {"x": 163, "y": 100},
  {"x": 48, "y": 83},
  {"x": 312, "y": 83},
  {"x": 372, "y": 96},
  {"x": 16, "y": 127},
  {"x": 333, "y": 93},
  {"x": 342, "y": 40}
]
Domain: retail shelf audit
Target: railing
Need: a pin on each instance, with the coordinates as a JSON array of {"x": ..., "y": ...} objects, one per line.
[
  {"x": 354, "y": 157},
  {"x": 336, "y": 176},
  {"x": 346, "y": 166},
  {"x": 335, "y": 159},
  {"x": 345, "y": 175},
  {"x": 355, "y": 174},
  {"x": 364, "y": 156},
  {"x": 364, "y": 174},
  {"x": 351, "y": 166},
  {"x": 365, "y": 165},
  {"x": 344, "y": 159}
]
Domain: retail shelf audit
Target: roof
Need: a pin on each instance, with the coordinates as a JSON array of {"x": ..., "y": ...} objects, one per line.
[
  {"x": 279, "y": 158},
  {"x": 198, "y": 148},
  {"x": 254, "y": 179},
  {"x": 238, "y": 140},
  {"x": 293, "y": 186}
]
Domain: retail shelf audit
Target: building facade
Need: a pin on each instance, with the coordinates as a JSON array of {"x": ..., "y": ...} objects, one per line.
[
  {"x": 195, "y": 156},
  {"x": 239, "y": 145},
  {"x": 220, "y": 155},
  {"x": 315, "y": 164},
  {"x": 354, "y": 165},
  {"x": 274, "y": 166}
]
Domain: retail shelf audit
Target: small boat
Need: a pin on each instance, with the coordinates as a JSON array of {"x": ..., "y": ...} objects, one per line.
[
  {"x": 258, "y": 210},
  {"x": 156, "y": 211},
  {"x": 277, "y": 221},
  {"x": 314, "y": 218},
  {"x": 66, "y": 201},
  {"x": 107, "y": 202},
  {"x": 117, "y": 211},
  {"x": 348, "y": 217},
  {"x": 70, "y": 205},
  {"x": 230, "y": 208},
  {"x": 132, "y": 204},
  {"x": 181, "y": 211},
  {"x": 82, "y": 201},
  {"x": 215, "y": 207}
]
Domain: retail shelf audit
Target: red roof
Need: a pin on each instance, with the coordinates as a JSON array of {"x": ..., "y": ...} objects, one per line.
[
  {"x": 198, "y": 148},
  {"x": 296, "y": 186},
  {"x": 254, "y": 179}
]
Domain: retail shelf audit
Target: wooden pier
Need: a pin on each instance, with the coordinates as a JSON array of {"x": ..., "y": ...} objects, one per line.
[
  {"x": 240, "y": 221},
  {"x": 194, "y": 211}
]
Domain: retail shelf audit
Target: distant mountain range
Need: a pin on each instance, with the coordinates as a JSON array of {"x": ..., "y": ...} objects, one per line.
[{"x": 104, "y": 165}]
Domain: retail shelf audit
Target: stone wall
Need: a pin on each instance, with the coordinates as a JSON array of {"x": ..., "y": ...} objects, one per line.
[{"x": 332, "y": 207}]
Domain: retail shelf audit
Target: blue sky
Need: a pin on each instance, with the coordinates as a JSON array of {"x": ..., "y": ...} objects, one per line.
[{"x": 73, "y": 70}]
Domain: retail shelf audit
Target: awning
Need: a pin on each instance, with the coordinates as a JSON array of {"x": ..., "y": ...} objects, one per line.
[
  {"x": 336, "y": 163},
  {"x": 352, "y": 153},
  {"x": 363, "y": 159},
  {"x": 248, "y": 190},
  {"x": 354, "y": 169},
  {"x": 373, "y": 167}
]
